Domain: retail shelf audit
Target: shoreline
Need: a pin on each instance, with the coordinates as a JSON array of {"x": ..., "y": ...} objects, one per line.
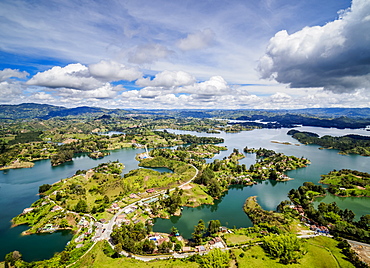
[
  {"x": 286, "y": 143},
  {"x": 24, "y": 233},
  {"x": 18, "y": 165},
  {"x": 345, "y": 196}
]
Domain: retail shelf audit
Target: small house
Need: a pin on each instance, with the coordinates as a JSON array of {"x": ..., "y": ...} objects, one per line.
[
  {"x": 200, "y": 249},
  {"x": 26, "y": 210}
]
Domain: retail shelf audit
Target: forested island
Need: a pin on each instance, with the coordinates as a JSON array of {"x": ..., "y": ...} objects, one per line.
[
  {"x": 348, "y": 144},
  {"x": 271, "y": 165},
  {"x": 347, "y": 182}
]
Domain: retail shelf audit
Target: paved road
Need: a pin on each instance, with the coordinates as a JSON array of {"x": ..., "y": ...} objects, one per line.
[
  {"x": 358, "y": 243},
  {"x": 313, "y": 235}
]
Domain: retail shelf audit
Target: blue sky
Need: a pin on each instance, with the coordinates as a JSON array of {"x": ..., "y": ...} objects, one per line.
[{"x": 186, "y": 54}]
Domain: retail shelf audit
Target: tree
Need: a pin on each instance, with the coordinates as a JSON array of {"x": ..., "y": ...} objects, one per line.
[
  {"x": 62, "y": 156},
  {"x": 43, "y": 188},
  {"x": 2, "y": 146},
  {"x": 348, "y": 215},
  {"x": 214, "y": 226},
  {"x": 148, "y": 246},
  {"x": 205, "y": 176},
  {"x": 174, "y": 230},
  {"x": 118, "y": 248},
  {"x": 12, "y": 257},
  {"x": 148, "y": 226},
  {"x": 165, "y": 247},
  {"x": 216, "y": 258},
  {"x": 364, "y": 221},
  {"x": 282, "y": 205},
  {"x": 58, "y": 196},
  {"x": 63, "y": 223},
  {"x": 273, "y": 175},
  {"x": 199, "y": 232},
  {"x": 178, "y": 246},
  {"x": 81, "y": 206},
  {"x": 64, "y": 257},
  {"x": 288, "y": 248},
  {"x": 214, "y": 188}
]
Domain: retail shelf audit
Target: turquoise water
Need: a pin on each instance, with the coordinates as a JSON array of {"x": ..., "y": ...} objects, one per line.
[
  {"x": 269, "y": 193},
  {"x": 19, "y": 188}
]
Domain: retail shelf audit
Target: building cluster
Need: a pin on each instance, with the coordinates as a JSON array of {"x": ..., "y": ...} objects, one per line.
[{"x": 318, "y": 229}]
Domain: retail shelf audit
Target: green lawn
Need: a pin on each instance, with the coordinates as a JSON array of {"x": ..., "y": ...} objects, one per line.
[
  {"x": 322, "y": 253},
  {"x": 237, "y": 239},
  {"x": 196, "y": 196}
]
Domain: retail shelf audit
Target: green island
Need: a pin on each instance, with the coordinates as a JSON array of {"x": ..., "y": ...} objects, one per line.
[
  {"x": 347, "y": 182},
  {"x": 271, "y": 165},
  {"x": 348, "y": 144}
]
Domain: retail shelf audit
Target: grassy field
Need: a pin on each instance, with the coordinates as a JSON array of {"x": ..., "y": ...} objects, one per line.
[
  {"x": 237, "y": 239},
  {"x": 322, "y": 253},
  {"x": 195, "y": 196}
]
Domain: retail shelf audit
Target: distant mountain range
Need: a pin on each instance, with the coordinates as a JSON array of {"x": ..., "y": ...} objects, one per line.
[
  {"x": 45, "y": 111},
  {"x": 334, "y": 112}
]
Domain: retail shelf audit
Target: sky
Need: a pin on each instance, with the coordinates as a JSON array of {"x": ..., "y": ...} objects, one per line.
[{"x": 189, "y": 54}]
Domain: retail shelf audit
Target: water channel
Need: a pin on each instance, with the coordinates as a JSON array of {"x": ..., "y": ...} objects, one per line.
[{"x": 18, "y": 188}]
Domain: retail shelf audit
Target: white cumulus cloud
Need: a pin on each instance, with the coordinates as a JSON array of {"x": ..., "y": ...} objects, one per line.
[
  {"x": 75, "y": 76},
  {"x": 95, "y": 78},
  {"x": 113, "y": 71},
  {"x": 10, "y": 91},
  {"x": 107, "y": 91},
  {"x": 10, "y": 73},
  {"x": 168, "y": 79},
  {"x": 216, "y": 85},
  {"x": 335, "y": 56}
]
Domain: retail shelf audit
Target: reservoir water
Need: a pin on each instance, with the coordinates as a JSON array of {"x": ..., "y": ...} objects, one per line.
[
  {"x": 19, "y": 188},
  {"x": 270, "y": 193}
]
